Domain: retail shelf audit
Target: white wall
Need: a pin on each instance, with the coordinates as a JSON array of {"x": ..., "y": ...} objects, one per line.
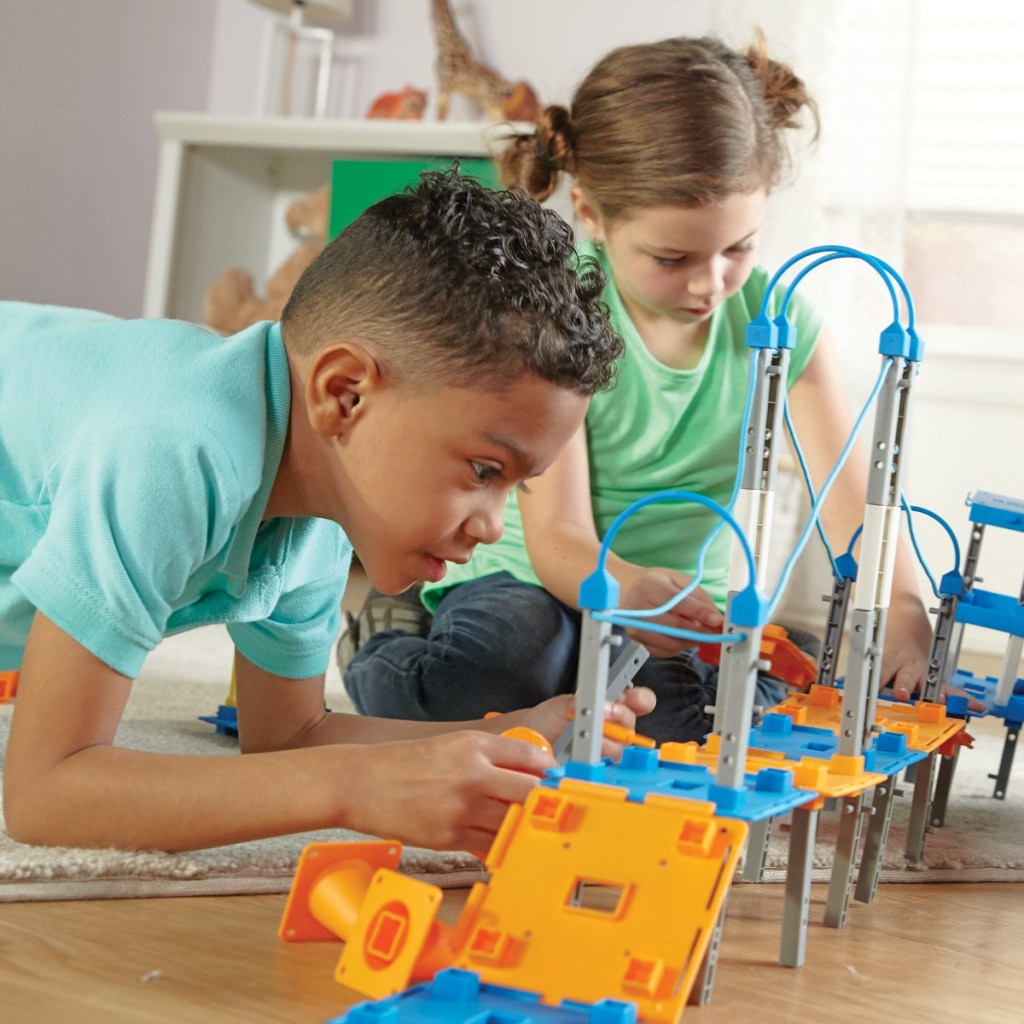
[
  {"x": 391, "y": 43},
  {"x": 78, "y": 86}
]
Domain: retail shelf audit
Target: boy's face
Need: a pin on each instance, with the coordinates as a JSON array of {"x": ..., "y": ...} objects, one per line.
[{"x": 424, "y": 476}]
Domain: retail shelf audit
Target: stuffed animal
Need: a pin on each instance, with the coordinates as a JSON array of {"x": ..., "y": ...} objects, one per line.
[
  {"x": 459, "y": 72},
  {"x": 406, "y": 105},
  {"x": 231, "y": 302}
]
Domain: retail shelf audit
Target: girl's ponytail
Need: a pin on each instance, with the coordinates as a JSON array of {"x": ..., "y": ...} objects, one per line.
[
  {"x": 534, "y": 161},
  {"x": 784, "y": 91}
]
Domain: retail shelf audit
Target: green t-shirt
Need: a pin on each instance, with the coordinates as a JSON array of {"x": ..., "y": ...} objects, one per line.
[{"x": 661, "y": 428}]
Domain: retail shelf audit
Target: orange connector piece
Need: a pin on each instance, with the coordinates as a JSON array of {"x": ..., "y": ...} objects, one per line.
[
  {"x": 351, "y": 891},
  {"x": 788, "y": 662},
  {"x": 8, "y": 685}
]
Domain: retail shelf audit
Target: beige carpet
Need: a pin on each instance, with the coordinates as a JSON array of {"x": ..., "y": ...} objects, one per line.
[
  {"x": 188, "y": 676},
  {"x": 981, "y": 841}
]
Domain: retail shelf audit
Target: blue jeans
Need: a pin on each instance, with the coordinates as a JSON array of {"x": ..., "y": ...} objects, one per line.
[{"x": 497, "y": 644}]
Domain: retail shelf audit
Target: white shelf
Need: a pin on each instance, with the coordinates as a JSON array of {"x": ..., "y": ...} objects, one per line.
[{"x": 223, "y": 184}]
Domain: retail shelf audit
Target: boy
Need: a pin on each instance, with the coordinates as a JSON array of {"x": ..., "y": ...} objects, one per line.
[{"x": 154, "y": 478}]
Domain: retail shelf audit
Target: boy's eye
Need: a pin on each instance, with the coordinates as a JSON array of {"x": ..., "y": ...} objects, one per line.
[
  {"x": 741, "y": 249},
  {"x": 484, "y": 472}
]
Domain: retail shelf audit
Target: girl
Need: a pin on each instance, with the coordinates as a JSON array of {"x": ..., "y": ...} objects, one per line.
[{"x": 672, "y": 148}]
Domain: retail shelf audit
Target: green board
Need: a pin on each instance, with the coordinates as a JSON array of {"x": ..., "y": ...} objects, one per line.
[{"x": 357, "y": 184}]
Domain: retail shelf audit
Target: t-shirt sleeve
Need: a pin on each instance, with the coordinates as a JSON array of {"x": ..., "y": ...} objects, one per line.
[
  {"x": 131, "y": 517},
  {"x": 296, "y": 639}
]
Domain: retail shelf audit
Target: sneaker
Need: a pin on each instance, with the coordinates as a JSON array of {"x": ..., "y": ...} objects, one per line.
[{"x": 381, "y": 612}]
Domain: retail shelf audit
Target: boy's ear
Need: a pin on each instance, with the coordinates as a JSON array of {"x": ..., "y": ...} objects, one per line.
[
  {"x": 339, "y": 380},
  {"x": 587, "y": 214}
]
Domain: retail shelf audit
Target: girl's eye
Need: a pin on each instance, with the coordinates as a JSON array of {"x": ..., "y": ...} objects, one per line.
[
  {"x": 666, "y": 261},
  {"x": 740, "y": 250},
  {"x": 484, "y": 472}
]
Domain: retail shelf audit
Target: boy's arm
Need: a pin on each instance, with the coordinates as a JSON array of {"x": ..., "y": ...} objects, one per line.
[
  {"x": 558, "y": 524},
  {"x": 288, "y": 714},
  {"x": 66, "y": 784},
  {"x": 823, "y": 421}
]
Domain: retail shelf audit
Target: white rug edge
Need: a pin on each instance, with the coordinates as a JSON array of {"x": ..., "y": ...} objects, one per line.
[{"x": 158, "y": 888}]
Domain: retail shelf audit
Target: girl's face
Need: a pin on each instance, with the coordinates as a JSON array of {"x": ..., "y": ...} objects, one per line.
[{"x": 678, "y": 262}]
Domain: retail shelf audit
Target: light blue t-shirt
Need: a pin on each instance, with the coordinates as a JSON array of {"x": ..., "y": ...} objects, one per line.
[{"x": 136, "y": 460}]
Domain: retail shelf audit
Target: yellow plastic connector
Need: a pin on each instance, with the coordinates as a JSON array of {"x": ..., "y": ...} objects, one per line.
[{"x": 633, "y": 889}]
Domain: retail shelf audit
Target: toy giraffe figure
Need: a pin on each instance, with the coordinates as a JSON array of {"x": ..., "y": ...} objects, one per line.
[{"x": 458, "y": 72}]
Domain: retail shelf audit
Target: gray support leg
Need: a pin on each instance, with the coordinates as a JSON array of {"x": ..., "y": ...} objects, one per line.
[
  {"x": 1002, "y": 777},
  {"x": 757, "y": 850},
  {"x": 874, "y": 843},
  {"x": 838, "y": 604},
  {"x": 620, "y": 676},
  {"x": 798, "y": 887},
  {"x": 943, "y": 786},
  {"x": 700, "y": 994},
  {"x": 591, "y": 687},
  {"x": 838, "y": 901},
  {"x": 916, "y": 828}
]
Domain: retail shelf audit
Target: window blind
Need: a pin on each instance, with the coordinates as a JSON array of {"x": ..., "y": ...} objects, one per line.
[{"x": 966, "y": 139}]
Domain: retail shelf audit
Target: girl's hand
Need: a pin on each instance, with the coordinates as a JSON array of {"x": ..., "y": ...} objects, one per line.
[
  {"x": 652, "y": 588},
  {"x": 908, "y": 639}
]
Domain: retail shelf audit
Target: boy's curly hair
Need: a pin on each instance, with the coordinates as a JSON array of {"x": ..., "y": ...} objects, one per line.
[{"x": 451, "y": 282}]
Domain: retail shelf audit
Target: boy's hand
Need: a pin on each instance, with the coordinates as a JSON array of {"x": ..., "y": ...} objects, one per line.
[
  {"x": 652, "y": 588},
  {"x": 552, "y": 716},
  {"x": 450, "y": 792}
]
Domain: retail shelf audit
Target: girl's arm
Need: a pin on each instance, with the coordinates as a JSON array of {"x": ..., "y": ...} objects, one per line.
[
  {"x": 823, "y": 421},
  {"x": 563, "y": 545}
]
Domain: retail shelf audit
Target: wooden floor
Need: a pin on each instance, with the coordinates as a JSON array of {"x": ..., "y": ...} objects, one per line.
[{"x": 918, "y": 953}]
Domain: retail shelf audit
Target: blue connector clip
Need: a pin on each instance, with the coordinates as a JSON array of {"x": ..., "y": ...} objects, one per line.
[
  {"x": 762, "y": 332},
  {"x": 599, "y": 591},
  {"x": 895, "y": 341}
]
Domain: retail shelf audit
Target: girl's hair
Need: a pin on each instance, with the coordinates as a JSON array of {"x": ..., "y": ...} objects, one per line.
[{"x": 679, "y": 122}]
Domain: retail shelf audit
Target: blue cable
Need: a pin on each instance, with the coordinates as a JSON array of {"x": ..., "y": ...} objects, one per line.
[
  {"x": 840, "y": 256},
  {"x": 632, "y": 617},
  {"x": 826, "y": 487},
  {"x": 808, "y": 483},
  {"x": 653, "y": 613},
  {"x": 627, "y": 621},
  {"x": 936, "y": 590},
  {"x": 879, "y": 265},
  {"x": 676, "y": 495}
]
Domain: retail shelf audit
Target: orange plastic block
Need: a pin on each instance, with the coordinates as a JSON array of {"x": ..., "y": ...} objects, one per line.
[
  {"x": 926, "y": 725},
  {"x": 788, "y": 662},
  {"x": 820, "y": 707},
  {"x": 961, "y": 739},
  {"x": 329, "y": 886},
  {"x": 396, "y": 940},
  {"x": 832, "y": 777},
  {"x": 632, "y": 889},
  {"x": 8, "y": 685},
  {"x": 350, "y": 891}
]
